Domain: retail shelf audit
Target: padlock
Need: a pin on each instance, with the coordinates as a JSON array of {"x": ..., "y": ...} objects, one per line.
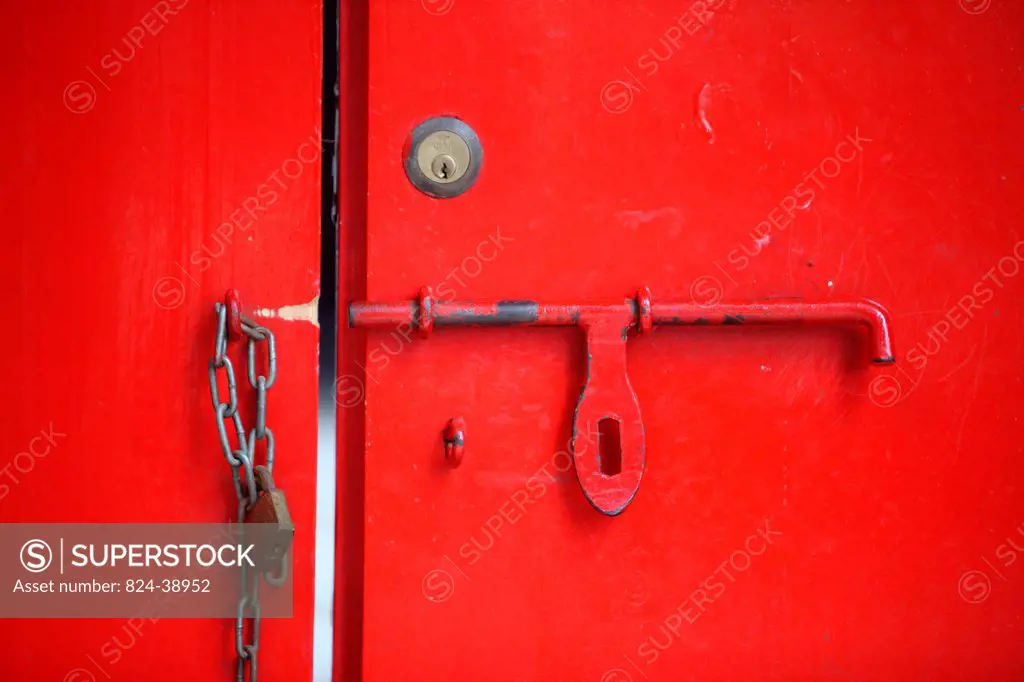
[{"x": 272, "y": 508}]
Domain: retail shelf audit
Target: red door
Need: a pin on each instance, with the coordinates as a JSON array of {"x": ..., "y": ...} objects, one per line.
[
  {"x": 802, "y": 513},
  {"x": 158, "y": 154}
]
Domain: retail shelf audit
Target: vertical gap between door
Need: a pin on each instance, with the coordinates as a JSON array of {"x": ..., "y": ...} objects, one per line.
[{"x": 326, "y": 468}]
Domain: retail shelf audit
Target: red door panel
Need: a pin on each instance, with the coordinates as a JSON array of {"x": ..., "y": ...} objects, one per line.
[
  {"x": 803, "y": 514},
  {"x": 157, "y": 155}
]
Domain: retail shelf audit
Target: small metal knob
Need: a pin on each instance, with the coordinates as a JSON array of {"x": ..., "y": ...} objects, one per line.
[{"x": 454, "y": 441}]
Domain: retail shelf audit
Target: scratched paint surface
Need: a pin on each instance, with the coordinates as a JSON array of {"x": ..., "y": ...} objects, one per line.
[
  {"x": 158, "y": 153},
  {"x": 803, "y": 515}
]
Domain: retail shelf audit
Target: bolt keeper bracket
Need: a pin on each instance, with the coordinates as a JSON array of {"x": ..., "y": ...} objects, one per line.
[{"x": 608, "y": 393}]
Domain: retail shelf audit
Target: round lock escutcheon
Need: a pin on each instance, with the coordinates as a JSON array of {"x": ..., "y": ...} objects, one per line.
[{"x": 443, "y": 157}]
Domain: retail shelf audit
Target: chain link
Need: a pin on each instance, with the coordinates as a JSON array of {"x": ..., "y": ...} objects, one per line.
[{"x": 241, "y": 457}]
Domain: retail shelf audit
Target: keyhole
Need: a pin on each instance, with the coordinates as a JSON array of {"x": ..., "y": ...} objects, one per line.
[
  {"x": 609, "y": 447},
  {"x": 444, "y": 167}
]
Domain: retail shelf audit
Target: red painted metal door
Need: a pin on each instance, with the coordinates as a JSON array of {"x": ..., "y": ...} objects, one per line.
[
  {"x": 803, "y": 515},
  {"x": 157, "y": 154}
]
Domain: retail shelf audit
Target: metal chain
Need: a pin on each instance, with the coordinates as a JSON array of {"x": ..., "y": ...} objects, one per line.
[{"x": 242, "y": 460}]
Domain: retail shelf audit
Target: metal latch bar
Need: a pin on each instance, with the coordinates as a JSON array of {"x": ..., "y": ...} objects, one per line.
[{"x": 608, "y": 393}]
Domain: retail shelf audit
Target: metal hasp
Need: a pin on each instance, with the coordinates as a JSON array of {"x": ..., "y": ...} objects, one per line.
[{"x": 607, "y": 395}]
